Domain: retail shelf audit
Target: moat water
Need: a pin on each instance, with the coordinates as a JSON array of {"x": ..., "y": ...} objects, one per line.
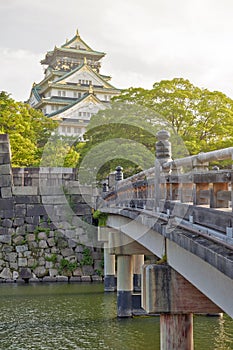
[{"x": 82, "y": 316}]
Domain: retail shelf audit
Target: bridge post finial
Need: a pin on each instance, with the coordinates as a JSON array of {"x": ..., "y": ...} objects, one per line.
[
  {"x": 163, "y": 147},
  {"x": 105, "y": 185},
  {"x": 119, "y": 173}
]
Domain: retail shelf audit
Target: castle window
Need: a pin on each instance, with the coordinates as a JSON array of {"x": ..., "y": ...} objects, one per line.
[
  {"x": 79, "y": 94},
  {"x": 63, "y": 93},
  {"x": 59, "y": 92},
  {"x": 75, "y": 94}
]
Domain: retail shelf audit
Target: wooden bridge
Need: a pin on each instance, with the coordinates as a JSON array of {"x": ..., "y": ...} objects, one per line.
[{"x": 181, "y": 212}]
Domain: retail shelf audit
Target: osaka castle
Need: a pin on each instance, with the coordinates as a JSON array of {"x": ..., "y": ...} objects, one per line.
[{"x": 73, "y": 89}]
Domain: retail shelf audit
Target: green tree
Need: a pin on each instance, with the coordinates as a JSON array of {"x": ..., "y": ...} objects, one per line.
[
  {"x": 28, "y": 130},
  {"x": 202, "y": 118},
  {"x": 60, "y": 151},
  {"x": 122, "y": 135}
]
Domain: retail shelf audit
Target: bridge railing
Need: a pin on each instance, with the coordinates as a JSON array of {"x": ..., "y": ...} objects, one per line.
[{"x": 201, "y": 195}]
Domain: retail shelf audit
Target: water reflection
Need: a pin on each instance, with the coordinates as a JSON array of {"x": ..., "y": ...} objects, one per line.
[{"x": 82, "y": 316}]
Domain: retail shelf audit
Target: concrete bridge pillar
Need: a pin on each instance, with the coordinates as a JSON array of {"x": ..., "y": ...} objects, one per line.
[
  {"x": 109, "y": 260},
  {"x": 124, "y": 285},
  {"x": 166, "y": 292},
  {"x": 138, "y": 261},
  {"x": 109, "y": 270}
]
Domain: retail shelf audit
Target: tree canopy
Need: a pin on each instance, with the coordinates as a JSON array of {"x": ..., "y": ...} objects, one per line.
[
  {"x": 30, "y": 131},
  {"x": 121, "y": 135},
  {"x": 202, "y": 118}
]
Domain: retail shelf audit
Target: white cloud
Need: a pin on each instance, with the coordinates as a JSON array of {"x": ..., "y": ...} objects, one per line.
[
  {"x": 144, "y": 41},
  {"x": 19, "y": 69}
]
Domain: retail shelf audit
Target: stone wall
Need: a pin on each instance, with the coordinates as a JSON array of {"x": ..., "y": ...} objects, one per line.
[{"x": 45, "y": 228}]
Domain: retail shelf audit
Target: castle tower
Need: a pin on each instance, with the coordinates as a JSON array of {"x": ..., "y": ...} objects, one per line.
[{"x": 73, "y": 88}]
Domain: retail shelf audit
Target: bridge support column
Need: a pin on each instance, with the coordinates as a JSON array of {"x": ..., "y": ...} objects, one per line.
[
  {"x": 124, "y": 285},
  {"x": 176, "y": 332},
  {"x": 138, "y": 261},
  {"x": 166, "y": 292},
  {"x": 109, "y": 270}
]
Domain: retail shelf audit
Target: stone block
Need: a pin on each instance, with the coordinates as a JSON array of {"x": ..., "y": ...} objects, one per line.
[
  {"x": 27, "y": 254},
  {"x": 53, "y": 272},
  {"x": 22, "y": 262},
  {"x": 7, "y": 249},
  {"x": 18, "y": 222},
  {"x": 62, "y": 279},
  {"x": 30, "y": 228},
  {"x": 25, "y": 273},
  {"x": 5, "y": 158},
  {"x": 40, "y": 271},
  {"x": 77, "y": 272},
  {"x": 36, "y": 209},
  {"x": 43, "y": 244},
  {"x": 5, "y": 239},
  {"x": 51, "y": 190},
  {"x": 5, "y": 181},
  {"x": 8, "y": 214},
  {"x": 2, "y": 263},
  {"x": 54, "y": 250},
  {"x": 86, "y": 278},
  {"x": 13, "y": 265},
  {"x": 97, "y": 264},
  {"x": 51, "y": 242},
  {"x": 87, "y": 270},
  {"x": 11, "y": 257},
  {"x": 18, "y": 240},
  {"x": 33, "y": 245},
  {"x": 6, "y": 203},
  {"x": 21, "y": 248},
  {"x": 20, "y": 210},
  {"x": 31, "y": 237},
  {"x": 6, "y": 192},
  {"x": 56, "y": 199},
  {"x": 25, "y": 191},
  {"x": 15, "y": 275},
  {"x": 7, "y": 223},
  {"x": 5, "y": 169},
  {"x": 42, "y": 235},
  {"x": 79, "y": 249},
  {"x": 31, "y": 262},
  {"x": 67, "y": 252},
  {"x": 27, "y": 200},
  {"x": 20, "y": 230},
  {"x": 71, "y": 243},
  {"x": 41, "y": 261},
  {"x": 35, "y": 220},
  {"x": 6, "y": 273},
  {"x": 48, "y": 264}
]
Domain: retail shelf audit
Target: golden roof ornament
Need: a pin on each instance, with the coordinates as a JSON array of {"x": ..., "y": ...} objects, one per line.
[
  {"x": 85, "y": 60},
  {"x": 91, "y": 89},
  {"x": 77, "y": 33}
]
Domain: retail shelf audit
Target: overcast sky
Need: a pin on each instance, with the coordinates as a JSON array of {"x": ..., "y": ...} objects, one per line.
[{"x": 145, "y": 41}]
